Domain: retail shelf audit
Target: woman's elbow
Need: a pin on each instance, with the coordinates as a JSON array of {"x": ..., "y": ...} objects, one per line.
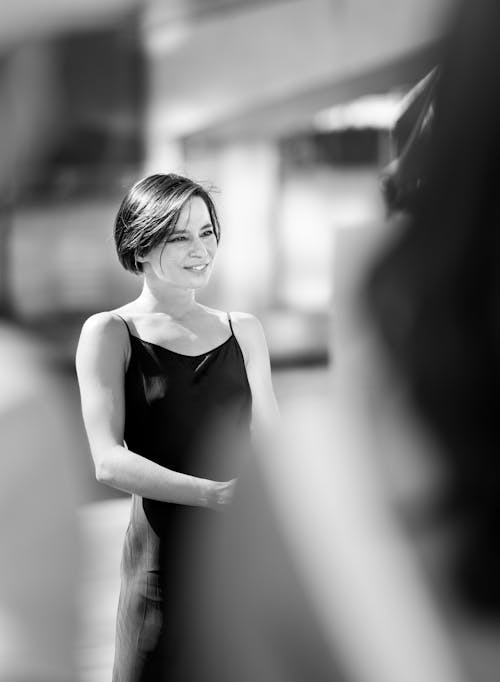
[
  {"x": 105, "y": 469},
  {"x": 102, "y": 473}
]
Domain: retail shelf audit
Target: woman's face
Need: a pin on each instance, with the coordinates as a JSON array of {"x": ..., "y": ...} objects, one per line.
[{"x": 186, "y": 259}]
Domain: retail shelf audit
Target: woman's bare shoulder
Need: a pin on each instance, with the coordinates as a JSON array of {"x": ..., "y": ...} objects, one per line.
[
  {"x": 103, "y": 322},
  {"x": 250, "y": 335},
  {"x": 247, "y": 323},
  {"x": 104, "y": 329}
]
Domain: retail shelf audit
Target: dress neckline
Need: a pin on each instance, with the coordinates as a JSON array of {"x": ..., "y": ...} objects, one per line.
[{"x": 184, "y": 355}]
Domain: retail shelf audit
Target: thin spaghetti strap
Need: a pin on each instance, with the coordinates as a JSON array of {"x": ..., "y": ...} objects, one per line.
[
  {"x": 124, "y": 322},
  {"x": 230, "y": 323}
]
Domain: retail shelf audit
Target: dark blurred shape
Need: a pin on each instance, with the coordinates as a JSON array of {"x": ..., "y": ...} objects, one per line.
[
  {"x": 71, "y": 129},
  {"x": 5, "y": 232},
  {"x": 101, "y": 75},
  {"x": 434, "y": 293},
  {"x": 403, "y": 177},
  {"x": 254, "y": 619},
  {"x": 347, "y": 148}
]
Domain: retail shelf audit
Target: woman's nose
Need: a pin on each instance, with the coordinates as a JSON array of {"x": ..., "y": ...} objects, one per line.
[{"x": 198, "y": 248}]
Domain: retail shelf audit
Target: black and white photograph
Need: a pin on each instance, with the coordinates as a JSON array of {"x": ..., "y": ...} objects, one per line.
[{"x": 249, "y": 341}]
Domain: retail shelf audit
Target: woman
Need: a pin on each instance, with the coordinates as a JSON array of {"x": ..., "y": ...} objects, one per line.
[{"x": 169, "y": 391}]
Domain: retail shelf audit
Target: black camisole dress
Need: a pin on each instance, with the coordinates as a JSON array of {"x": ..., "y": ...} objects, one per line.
[{"x": 190, "y": 414}]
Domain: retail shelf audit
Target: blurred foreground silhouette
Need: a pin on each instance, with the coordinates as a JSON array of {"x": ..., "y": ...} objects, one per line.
[
  {"x": 38, "y": 528},
  {"x": 434, "y": 296}
]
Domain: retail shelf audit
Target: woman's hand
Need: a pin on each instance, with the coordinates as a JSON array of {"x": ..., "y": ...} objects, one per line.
[{"x": 221, "y": 494}]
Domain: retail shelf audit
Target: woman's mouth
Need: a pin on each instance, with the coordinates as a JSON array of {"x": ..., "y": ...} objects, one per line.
[{"x": 197, "y": 268}]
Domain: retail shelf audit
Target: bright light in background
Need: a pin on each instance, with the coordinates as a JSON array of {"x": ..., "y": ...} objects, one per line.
[
  {"x": 314, "y": 207},
  {"x": 372, "y": 111},
  {"x": 160, "y": 40},
  {"x": 181, "y": 119},
  {"x": 247, "y": 175},
  {"x": 306, "y": 246}
]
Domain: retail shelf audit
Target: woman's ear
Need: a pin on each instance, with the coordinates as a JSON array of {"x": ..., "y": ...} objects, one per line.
[{"x": 139, "y": 263}]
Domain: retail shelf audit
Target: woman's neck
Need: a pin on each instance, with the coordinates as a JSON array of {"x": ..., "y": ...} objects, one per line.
[{"x": 172, "y": 301}]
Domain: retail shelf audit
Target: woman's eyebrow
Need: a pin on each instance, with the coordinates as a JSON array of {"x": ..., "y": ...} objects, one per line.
[{"x": 203, "y": 227}]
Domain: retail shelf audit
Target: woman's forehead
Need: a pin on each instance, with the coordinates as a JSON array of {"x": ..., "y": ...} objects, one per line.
[{"x": 194, "y": 214}]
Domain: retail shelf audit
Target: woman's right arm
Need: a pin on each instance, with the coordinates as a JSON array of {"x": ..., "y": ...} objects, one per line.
[{"x": 101, "y": 361}]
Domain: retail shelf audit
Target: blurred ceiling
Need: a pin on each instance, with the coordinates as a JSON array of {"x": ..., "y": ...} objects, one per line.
[
  {"x": 265, "y": 68},
  {"x": 282, "y": 116},
  {"x": 224, "y": 68},
  {"x": 196, "y": 10},
  {"x": 27, "y": 19}
]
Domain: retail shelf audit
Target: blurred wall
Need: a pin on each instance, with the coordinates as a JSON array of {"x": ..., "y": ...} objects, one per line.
[
  {"x": 31, "y": 118},
  {"x": 174, "y": 87},
  {"x": 71, "y": 120}
]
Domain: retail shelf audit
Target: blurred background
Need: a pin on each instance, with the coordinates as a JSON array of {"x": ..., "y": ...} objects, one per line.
[{"x": 284, "y": 107}]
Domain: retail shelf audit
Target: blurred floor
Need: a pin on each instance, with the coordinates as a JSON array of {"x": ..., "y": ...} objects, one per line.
[{"x": 103, "y": 524}]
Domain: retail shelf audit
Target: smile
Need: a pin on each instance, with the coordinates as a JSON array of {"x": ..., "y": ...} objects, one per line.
[{"x": 197, "y": 268}]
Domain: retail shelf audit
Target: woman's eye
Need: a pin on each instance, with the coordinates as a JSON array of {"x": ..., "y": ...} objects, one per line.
[
  {"x": 176, "y": 239},
  {"x": 207, "y": 233}
]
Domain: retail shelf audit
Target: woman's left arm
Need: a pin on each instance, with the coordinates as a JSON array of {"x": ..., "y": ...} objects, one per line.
[{"x": 250, "y": 335}]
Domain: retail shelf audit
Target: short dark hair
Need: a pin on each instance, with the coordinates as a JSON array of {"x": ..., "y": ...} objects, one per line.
[{"x": 149, "y": 213}]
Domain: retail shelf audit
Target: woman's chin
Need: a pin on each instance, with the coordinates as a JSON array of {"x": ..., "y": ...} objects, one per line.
[{"x": 198, "y": 280}]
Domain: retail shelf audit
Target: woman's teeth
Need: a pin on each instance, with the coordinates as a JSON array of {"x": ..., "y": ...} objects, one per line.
[{"x": 198, "y": 268}]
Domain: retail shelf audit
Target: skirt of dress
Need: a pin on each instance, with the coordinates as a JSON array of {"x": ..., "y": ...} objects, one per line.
[{"x": 157, "y": 613}]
